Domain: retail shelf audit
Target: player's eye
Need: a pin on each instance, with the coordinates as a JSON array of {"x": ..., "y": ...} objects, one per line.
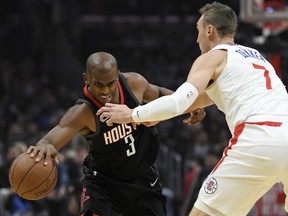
[
  {"x": 111, "y": 83},
  {"x": 98, "y": 84}
]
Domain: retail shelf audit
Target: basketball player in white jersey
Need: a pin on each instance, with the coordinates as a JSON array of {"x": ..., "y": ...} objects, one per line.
[{"x": 244, "y": 85}]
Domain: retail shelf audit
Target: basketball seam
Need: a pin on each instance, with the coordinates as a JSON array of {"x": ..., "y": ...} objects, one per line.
[
  {"x": 53, "y": 167},
  {"x": 12, "y": 171},
  {"x": 28, "y": 170}
]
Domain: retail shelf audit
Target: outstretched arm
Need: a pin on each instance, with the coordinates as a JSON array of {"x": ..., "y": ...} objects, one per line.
[
  {"x": 197, "y": 113},
  {"x": 202, "y": 71},
  {"x": 160, "y": 109},
  {"x": 76, "y": 119}
]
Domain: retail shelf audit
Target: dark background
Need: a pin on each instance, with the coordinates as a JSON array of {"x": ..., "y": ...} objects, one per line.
[{"x": 44, "y": 45}]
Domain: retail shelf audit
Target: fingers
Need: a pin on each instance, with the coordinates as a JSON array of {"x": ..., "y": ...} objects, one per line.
[
  {"x": 57, "y": 159},
  {"x": 47, "y": 157},
  {"x": 32, "y": 150},
  {"x": 134, "y": 125},
  {"x": 41, "y": 154},
  {"x": 104, "y": 117},
  {"x": 200, "y": 111},
  {"x": 50, "y": 156},
  {"x": 111, "y": 105},
  {"x": 104, "y": 113},
  {"x": 197, "y": 111},
  {"x": 191, "y": 120},
  {"x": 46, "y": 152},
  {"x": 195, "y": 117},
  {"x": 115, "y": 113},
  {"x": 101, "y": 110},
  {"x": 187, "y": 121},
  {"x": 109, "y": 122},
  {"x": 106, "y": 108}
]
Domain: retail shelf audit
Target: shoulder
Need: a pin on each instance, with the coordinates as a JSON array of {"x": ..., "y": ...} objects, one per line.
[
  {"x": 79, "y": 112},
  {"x": 216, "y": 54},
  {"x": 133, "y": 77},
  {"x": 212, "y": 58},
  {"x": 135, "y": 80},
  {"x": 208, "y": 66}
]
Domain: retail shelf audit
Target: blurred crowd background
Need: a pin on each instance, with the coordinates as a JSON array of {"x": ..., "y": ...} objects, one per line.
[{"x": 43, "y": 49}]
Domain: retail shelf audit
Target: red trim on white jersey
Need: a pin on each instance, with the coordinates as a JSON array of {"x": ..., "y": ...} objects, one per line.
[{"x": 238, "y": 130}]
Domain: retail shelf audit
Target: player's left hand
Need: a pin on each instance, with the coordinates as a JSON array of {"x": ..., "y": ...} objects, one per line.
[
  {"x": 45, "y": 151},
  {"x": 115, "y": 113},
  {"x": 195, "y": 117}
]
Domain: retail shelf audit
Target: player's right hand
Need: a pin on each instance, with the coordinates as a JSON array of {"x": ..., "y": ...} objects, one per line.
[
  {"x": 44, "y": 151},
  {"x": 195, "y": 117}
]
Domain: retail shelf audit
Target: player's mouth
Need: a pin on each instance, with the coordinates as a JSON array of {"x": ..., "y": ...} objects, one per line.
[{"x": 106, "y": 98}]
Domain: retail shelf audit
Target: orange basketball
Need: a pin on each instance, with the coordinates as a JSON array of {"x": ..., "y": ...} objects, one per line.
[{"x": 32, "y": 180}]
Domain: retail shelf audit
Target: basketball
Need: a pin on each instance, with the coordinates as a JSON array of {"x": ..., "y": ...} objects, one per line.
[{"x": 32, "y": 180}]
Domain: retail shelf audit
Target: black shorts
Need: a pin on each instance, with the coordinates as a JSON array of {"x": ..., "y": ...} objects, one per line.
[{"x": 103, "y": 196}]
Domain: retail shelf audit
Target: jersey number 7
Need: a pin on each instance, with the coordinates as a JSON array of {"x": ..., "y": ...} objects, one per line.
[{"x": 266, "y": 75}]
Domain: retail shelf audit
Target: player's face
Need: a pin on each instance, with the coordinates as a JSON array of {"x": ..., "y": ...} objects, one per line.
[
  {"x": 103, "y": 86},
  {"x": 203, "y": 36}
]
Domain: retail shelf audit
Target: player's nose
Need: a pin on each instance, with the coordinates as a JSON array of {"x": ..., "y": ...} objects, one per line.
[{"x": 105, "y": 90}]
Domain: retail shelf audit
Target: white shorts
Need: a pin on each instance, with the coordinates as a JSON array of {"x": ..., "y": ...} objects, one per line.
[{"x": 256, "y": 159}]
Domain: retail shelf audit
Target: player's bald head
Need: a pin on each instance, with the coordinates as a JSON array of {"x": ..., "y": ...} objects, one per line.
[{"x": 102, "y": 62}]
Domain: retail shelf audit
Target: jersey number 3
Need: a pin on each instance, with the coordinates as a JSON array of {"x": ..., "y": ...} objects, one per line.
[
  {"x": 130, "y": 141},
  {"x": 266, "y": 75}
]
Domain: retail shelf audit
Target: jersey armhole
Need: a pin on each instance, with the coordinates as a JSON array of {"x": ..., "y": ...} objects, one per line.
[
  {"x": 125, "y": 83},
  {"x": 97, "y": 121}
]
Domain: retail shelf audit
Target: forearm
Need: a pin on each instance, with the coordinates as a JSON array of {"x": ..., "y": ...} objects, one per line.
[
  {"x": 56, "y": 137},
  {"x": 202, "y": 101},
  {"x": 167, "y": 107},
  {"x": 164, "y": 91}
]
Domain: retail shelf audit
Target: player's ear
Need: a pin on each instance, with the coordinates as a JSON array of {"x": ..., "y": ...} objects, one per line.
[
  {"x": 210, "y": 29},
  {"x": 118, "y": 74},
  {"x": 85, "y": 78}
]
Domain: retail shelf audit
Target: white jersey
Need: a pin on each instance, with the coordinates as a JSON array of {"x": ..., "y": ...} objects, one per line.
[
  {"x": 255, "y": 103},
  {"x": 248, "y": 88}
]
